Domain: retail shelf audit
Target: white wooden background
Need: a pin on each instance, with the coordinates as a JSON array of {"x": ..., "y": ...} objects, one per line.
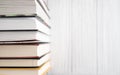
[{"x": 85, "y": 37}]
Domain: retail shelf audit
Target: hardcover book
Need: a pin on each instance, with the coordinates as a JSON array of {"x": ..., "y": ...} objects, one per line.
[
  {"x": 25, "y": 8},
  {"x": 24, "y": 62},
  {"x": 42, "y": 70},
  {"x": 23, "y": 51},
  {"x": 24, "y": 23},
  {"x": 23, "y": 36}
]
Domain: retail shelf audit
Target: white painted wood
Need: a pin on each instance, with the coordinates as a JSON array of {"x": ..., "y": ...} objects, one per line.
[
  {"x": 85, "y": 37},
  {"x": 73, "y": 37},
  {"x": 61, "y": 37},
  {"x": 109, "y": 37}
]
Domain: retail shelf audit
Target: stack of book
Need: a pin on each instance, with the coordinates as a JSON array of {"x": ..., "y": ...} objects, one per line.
[{"x": 24, "y": 37}]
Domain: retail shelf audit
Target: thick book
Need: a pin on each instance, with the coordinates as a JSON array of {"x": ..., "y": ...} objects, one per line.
[
  {"x": 42, "y": 70},
  {"x": 24, "y": 62},
  {"x": 23, "y": 36},
  {"x": 23, "y": 23},
  {"x": 23, "y": 51},
  {"x": 24, "y": 7}
]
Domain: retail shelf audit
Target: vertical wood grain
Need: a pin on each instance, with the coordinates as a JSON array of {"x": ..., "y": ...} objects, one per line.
[
  {"x": 85, "y": 37},
  {"x": 109, "y": 61},
  {"x": 73, "y": 37},
  {"x": 61, "y": 37}
]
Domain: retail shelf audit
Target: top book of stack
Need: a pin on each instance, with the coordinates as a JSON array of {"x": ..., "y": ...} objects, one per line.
[{"x": 23, "y": 8}]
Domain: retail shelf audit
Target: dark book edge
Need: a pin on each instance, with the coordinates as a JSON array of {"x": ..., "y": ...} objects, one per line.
[
  {"x": 24, "y": 43},
  {"x": 19, "y": 30},
  {"x": 17, "y": 15}
]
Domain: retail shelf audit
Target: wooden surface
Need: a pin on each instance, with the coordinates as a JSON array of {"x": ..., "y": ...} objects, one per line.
[{"x": 85, "y": 37}]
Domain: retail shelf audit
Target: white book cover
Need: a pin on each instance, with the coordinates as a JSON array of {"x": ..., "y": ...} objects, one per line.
[
  {"x": 23, "y": 23},
  {"x": 23, "y": 36},
  {"x": 23, "y": 51}
]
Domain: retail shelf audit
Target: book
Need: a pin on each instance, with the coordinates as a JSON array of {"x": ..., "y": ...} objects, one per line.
[
  {"x": 23, "y": 51},
  {"x": 23, "y": 23},
  {"x": 24, "y": 62},
  {"x": 23, "y": 36},
  {"x": 30, "y": 42},
  {"x": 42, "y": 70},
  {"x": 24, "y": 7}
]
